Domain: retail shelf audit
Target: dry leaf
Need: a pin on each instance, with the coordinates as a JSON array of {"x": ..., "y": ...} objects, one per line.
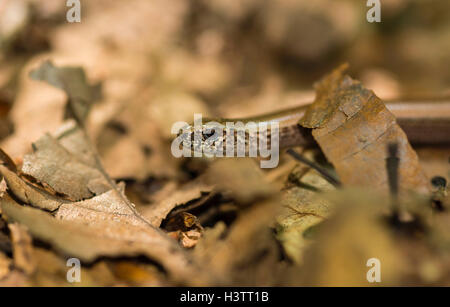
[
  {"x": 354, "y": 128},
  {"x": 248, "y": 255},
  {"x": 157, "y": 212},
  {"x": 73, "y": 81},
  {"x": 79, "y": 236},
  {"x": 303, "y": 208},
  {"x": 22, "y": 248},
  {"x": 184, "y": 227},
  {"x": 101, "y": 226},
  {"x": 28, "y": 193},
  {"x": 54, "y": 165},
  {"x": 198, "y": 57},
  {"x": 71, "y": 137}
]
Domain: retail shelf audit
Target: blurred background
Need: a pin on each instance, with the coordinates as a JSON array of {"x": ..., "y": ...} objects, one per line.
[{"x": 160, "y": 61}]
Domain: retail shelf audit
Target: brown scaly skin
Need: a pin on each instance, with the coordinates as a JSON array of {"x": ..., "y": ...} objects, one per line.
[{"x": 424, "y": 122}]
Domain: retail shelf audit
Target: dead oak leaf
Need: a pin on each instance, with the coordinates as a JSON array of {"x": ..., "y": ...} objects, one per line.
[
  {"x": 101, "y": 226},
  {"x": 71, "y": 137},
  {"x": 324, "y": 107},
  {"x": 106, "y": 207},
  {"x": 28, "y": 193},
  {"x": 63, "y": 171},
  {"x": 354, "y": 128},
  {"x": 88, "y": 240}
]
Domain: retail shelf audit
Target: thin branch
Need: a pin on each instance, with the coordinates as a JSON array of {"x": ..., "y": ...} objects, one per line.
[{"x": 329, "y": 177}]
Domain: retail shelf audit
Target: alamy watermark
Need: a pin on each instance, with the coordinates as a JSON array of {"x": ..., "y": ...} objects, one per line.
[
  {"x": 74, "y": 13},
  {"x": 374, "y": 273},
  {"x": 374, "y": 13},
  {"x": 232, "y": 139},
  {"x": 74, "y": 273}
]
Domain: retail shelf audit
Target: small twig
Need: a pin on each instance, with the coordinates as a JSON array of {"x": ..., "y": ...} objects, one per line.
[
  {"x": 392, "y": 162},
  {"x": 330, "y": 178}
]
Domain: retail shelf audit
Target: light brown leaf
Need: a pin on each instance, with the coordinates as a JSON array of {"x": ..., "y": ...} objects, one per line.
[
  {"x": 354, "y": 128},
  {"x": 303, "y": 208},
  {"x": 155, "y": 213},
  {"x": 54, "y": 165},
  {"x": 79, "y": 236},
  {"x": 105, "y": 208},
  {"x": 28, "y": 193}
]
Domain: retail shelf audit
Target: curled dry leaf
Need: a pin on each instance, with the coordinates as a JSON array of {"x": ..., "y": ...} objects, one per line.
[
  {"x": 248, "y": 254},
  {"x": 81, "y": 96},
  {"x": 89, "y": 235},
  {"x": 354, "y": 128},
  {"x": 63, "y": 171},
  {"x": 190, "y": 238},
  {"x": 28, "y": 193},
  {"x": 68, "y": 173},
  {"x": 100, "y": 226},
  {"x": 157, "y": 212},
  {"x": 186, "y": 228},
  {"x": 210, "y": 238}
]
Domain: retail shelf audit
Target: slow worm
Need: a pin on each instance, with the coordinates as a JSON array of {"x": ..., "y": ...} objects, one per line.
[{"x": 424, "y": 122}]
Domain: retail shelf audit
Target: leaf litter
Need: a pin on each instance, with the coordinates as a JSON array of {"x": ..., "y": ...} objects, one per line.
[
  {"x": 59, "y": 196},
  {"x": 198, "y": 221}
]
